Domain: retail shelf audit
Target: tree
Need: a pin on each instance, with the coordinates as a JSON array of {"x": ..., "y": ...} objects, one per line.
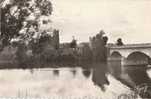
[
  {"x": 105, "y": 39},
  {"x": 86, "y": 54},
  {"x": 38, "y": 45},
  {"x": 20, "y": 19},
  {"x": 98, "y": 47},
  {"x": 119, "y": 42},
  {"x": 99, "y": 51},
  {"x": 73, "y": 44}
]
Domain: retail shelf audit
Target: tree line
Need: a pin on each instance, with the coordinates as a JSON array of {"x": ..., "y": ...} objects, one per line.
[{"x": 21, "y": 28}]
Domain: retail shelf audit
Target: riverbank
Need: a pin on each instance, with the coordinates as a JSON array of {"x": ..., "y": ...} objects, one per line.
[{"x": 37, "y": 64}]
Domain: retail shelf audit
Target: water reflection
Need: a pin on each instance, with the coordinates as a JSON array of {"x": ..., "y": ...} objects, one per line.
[
  {"x": 139, "y": 76},
  {"x": 86, "y": 72},
  {"x": 44, "y": 82},
  {"x": 99, "y": 75},
  {"x": 73, "y": 72},
  {"x": 56, "y": 72},
  {"x": 31, "y": 71}
]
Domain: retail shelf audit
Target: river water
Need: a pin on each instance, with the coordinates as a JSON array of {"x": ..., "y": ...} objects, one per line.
[{"x": 60, "y": 82}]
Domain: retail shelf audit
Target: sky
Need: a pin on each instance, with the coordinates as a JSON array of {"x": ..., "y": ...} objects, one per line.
[{"x": 126, "y": 19}]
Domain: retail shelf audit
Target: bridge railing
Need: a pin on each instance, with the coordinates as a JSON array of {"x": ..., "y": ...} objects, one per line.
[{"x": 130, "y": 45}]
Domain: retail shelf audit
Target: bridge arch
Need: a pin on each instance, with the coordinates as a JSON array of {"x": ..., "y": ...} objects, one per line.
[
  {"x": 139, "y": 53},
  {"x": 115, "y": 63},
  {"x": 126, "y": 52},
  {"x": 137, "y": 63},
  {"x": 137, "y": 58},
  {"x": 116, "y": 54}
]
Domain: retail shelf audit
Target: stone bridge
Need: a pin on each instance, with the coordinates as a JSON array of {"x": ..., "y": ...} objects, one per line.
[{"x": 130, "y": 56}]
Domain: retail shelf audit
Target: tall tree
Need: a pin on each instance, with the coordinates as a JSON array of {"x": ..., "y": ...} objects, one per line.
[
  {"x": 99, "y": 47},
  {"x": 73, "y": 43},
  {"x": 20, "y": 19},
  {"x": 99, "y": 51}
]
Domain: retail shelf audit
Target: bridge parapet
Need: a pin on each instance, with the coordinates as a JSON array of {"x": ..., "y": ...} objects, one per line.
[
  {"x": 129, "y": 45},
  {"x": 142, "y": 45}
]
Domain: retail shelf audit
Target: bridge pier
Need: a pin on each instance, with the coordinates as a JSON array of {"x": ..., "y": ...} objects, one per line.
[
  {"x": 115, "y": 66},
  {"x": 123, "y": 71},
  {"x": 118, "y": 68}
]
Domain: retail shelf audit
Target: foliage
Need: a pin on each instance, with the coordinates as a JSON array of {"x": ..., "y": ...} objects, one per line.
[
  {"x": 98, "y": 47},
  {"x": 119, "y": 42},
  {"x": 73, "y": 43},
  {"x": 20, "y": 19},
  {"x": 86, "y": 54},
  {"x": 38, "y": 45}
]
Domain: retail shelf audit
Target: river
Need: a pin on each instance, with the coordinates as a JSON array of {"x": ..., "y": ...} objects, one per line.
[{"x": 57, "y": 82}]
